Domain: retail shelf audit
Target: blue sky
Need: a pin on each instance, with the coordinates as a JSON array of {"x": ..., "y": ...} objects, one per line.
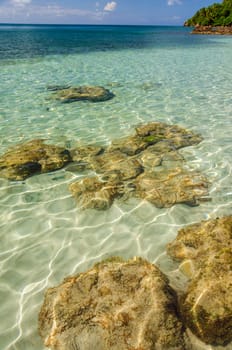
[{"x": 157, "y": 12}]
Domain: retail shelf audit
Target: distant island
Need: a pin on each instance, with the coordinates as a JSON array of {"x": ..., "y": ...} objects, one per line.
[{"x": 214, "y": 19}]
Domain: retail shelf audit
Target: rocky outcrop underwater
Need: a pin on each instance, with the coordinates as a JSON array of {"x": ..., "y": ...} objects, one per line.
[
  {"x": 206, "y": 251},
  {"x": 67, "y": 94},
  {"x": 115, "y": 305},
  {"x": 146, "y": 165},
  {"x": 32, "y": 158},
  {"x": 213, "y": 30},
  {"x": 130, "y": 305}
]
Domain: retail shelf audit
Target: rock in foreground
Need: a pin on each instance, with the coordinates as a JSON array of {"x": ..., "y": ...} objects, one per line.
[
  {"x": 126, "y": 305},
  {"x": 31, "y": 158},
  {"x": 82, "y": 93},
  {"x": 207, "y": 304}
]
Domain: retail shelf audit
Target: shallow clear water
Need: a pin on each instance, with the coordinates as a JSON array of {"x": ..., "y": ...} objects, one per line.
[{"x": 157, "y": 74}]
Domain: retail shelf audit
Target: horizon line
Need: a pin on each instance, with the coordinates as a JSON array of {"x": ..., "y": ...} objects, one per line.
[{"x": 91, "y": 24}]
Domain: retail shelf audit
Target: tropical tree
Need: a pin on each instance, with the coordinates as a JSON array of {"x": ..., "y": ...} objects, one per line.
[{"x": 218, "y": 14}]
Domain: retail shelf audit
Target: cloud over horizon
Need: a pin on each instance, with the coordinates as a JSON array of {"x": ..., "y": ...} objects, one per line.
[
  {"x": 150, "y": 12},
  {"x": 18, "y": 10}
]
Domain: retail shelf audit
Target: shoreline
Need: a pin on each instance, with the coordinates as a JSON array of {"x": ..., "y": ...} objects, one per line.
[{"x": 212, "y": 30}]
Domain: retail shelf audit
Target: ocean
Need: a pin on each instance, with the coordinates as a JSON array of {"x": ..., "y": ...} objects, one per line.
[{"x": 156, "y": 73}]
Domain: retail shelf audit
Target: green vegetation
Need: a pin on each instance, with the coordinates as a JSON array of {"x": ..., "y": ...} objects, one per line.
[
  {"x": 153, "y": 138},
  {"x": 214, "y": 15}
]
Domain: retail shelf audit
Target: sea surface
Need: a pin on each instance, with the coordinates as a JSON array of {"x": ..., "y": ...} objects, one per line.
[{"x": 157, "y": 74}]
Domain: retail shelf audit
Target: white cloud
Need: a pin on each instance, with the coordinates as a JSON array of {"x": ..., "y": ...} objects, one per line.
[
  {"x": 14, "y": 11},
  {"x": 173, "y": 2},
  {"x": 55, "y": 10},
  {"x": 110, "y": 6},
  {"x": 20, "y": 2}
]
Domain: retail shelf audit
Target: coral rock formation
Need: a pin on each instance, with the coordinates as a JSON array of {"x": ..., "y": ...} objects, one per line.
[
  {"x": 126, "y": 305},
  {"x": 170, "y": 186},
  {"x": 82, "y": 93},
  {"x": 145, "y": 165},
  {"x": 92, "y": 193},
  {"x": 32, "y": 157},
  {"x": 207, "y": 303}
]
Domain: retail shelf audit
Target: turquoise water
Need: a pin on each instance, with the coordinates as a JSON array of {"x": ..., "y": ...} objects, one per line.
[{"x": 157, "y": 74}]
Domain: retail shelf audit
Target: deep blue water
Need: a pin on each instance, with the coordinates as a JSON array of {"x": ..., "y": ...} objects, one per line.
[{"x": 27, "y": 41}]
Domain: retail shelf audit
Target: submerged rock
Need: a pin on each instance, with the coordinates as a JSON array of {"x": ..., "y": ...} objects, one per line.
[
  {"x": 126, "y": 305},
  {"x": 107, "y": 161},
  {"x": 84, "y": 153},
  {"x": 83, "y": 156},
  {"x": 147, "y": 165},
  {"x": 206, "y": 305},
  {"x": 149, "y": 85},
  {"x": 170, "y": 186},
  {"x": 160, "y": 154},
  {"x": 176, "y": 136},
  {"x": 91, "y": 193},
  {"x": 116, "y": 163},
  {"x": 129, "y": 145},
  {"x": 31, "y": 158},
  {"x": 81, "y": 93}
]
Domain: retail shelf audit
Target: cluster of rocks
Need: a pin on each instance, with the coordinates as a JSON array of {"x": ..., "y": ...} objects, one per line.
[
  {"x": 130, "y": 305},
  {"x": 67, "y": 94},
  {"x": 218, "y": 30},
  {"x": 146, "y": 165}
]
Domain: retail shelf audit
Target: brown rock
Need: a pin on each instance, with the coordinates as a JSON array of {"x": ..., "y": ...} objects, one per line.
[
  {"x": 81, "y": 93},
  {"x": 83, "y": 156},
  {"x": 92, "y": 193},
  {"x": 126, "y": 305},
  {"x": 194, "y": 241},
  {"x": 153, "y": 146},
  {"x": 217, "y": 30},
  {"x": 149, "y": 159},
  {"x": 84, "y": 153},
  {"x": 32, "y": 157},
  {"x": 107, "y": 161},
  {"x": 165, "y": 136},
  {"x": 207, "y": 303},
  {"x": 129, "y": 145},
  {"x": 176, "y": 136},
  {"x": 167, "y": 187},
  {"x": 116, "y": 164},
  {"x": 160, "y": 154}
]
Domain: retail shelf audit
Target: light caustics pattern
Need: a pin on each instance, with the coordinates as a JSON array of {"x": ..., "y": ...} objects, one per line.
[{"x": 44, "y": 236}]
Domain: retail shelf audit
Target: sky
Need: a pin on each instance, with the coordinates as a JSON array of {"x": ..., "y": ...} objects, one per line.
[{"x": 140, "y": 12}]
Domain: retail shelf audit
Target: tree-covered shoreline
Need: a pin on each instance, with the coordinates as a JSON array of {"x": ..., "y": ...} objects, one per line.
[{"x": 218, "y": 14}]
